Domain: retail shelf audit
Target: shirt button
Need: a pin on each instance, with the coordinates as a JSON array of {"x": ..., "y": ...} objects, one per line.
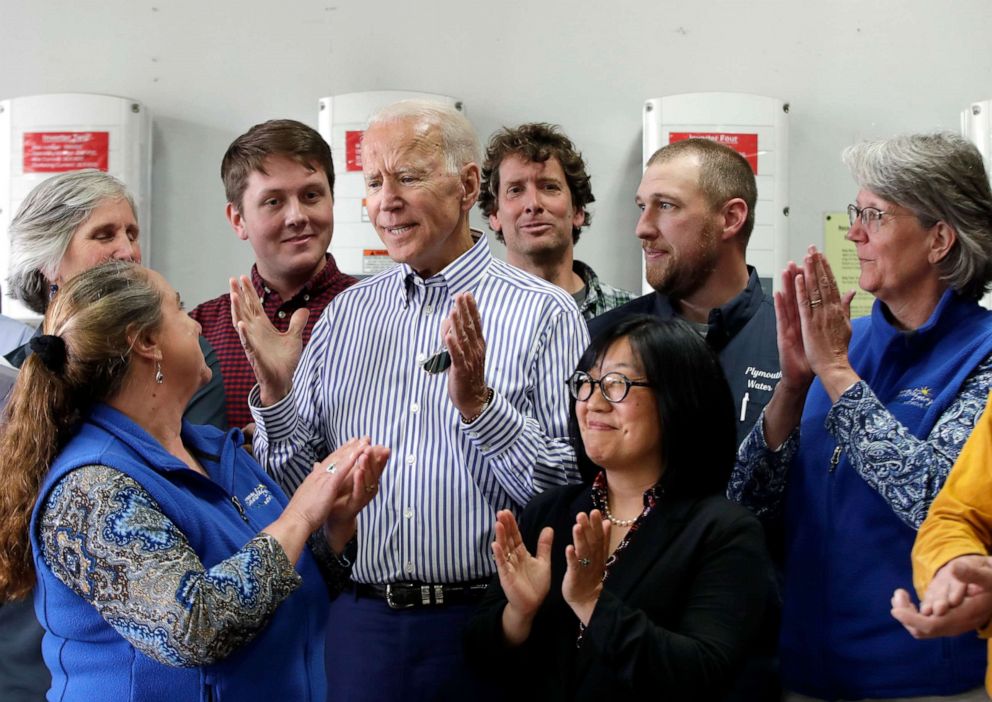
[
  {"x": 306, "y": 298},
  {"x": 408, "y": 513},
  {"x": 266, "y": 288},
  {"x": 485, "y": 447},
  {"x": 281, "y": 314},
  {"x": 410, "y": 459},
  {"x": 409, "y": 566},
  {"x": 414, "y": 407},
  {"x": 421, "y": 357},
  {"x": 428, "y": 309}
]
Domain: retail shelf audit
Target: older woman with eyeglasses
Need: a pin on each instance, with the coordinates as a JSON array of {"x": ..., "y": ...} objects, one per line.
[
  {"x": 869, "y": 416},
  {"x": 644, "y": 582}
]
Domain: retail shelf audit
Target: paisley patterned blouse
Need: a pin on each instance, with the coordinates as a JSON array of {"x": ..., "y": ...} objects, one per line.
[
  {"x": 906, "y": 471},
  {"x": 105, "y": 537}
]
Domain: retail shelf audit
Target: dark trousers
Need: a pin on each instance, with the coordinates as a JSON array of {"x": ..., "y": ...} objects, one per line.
[{"x": 377, "y": 654}]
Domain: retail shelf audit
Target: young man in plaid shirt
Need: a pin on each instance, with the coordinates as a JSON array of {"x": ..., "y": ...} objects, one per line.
[{"x": 279, "y": 181}]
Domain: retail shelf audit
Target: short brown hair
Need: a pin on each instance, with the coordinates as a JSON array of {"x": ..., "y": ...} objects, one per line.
[
  {"x": 277, "y": 137},
  {"x": 536, "y": 142},
  {"x": 723, "y": 175}
]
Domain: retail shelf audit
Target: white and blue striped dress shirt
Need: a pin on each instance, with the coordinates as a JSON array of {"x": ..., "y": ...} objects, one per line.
[{"x": 433, "y": 518}]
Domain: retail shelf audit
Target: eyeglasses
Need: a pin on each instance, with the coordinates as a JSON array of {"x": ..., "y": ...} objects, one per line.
[
  {"x": 614, "y": 386},
  {"x": 871, "y": 217}
]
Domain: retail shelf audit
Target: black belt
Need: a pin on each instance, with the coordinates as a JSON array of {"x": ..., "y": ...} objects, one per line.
[{"x": 407, "y": 595}]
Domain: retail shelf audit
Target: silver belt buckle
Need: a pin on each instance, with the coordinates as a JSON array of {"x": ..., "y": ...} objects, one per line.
[{"x": 389, "y": 599}]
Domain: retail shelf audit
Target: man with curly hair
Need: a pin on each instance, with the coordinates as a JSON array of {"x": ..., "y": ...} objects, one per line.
[{"x": 536, "y": 193}]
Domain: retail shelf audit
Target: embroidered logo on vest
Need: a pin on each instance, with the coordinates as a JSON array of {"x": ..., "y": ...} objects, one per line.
[
  {"x": 917, "y": 397},
  {"x": 259, "y": 493}
]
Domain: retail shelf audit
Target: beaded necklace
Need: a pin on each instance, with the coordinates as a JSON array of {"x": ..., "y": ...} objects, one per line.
[{"x": 600, "y": 501}]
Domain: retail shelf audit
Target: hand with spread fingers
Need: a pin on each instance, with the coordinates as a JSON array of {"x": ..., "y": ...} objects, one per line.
[
  {"x": 461, "y": 334},
  {"x": 585, "y": 559},
  {"x": 825, "y": 318},
  {"x": 273, "y": 355},
  {"x": 525, "y": 579},
  {"x": 363, "y": 463}
]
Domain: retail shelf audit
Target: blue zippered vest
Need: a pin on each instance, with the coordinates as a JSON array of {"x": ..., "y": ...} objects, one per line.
[
  {"x": 846, "y": 550},
  {"x": 89, "y": 660}
]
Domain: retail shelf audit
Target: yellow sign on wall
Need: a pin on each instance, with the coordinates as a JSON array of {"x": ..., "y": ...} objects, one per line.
[{"x": 843, "y": 257}]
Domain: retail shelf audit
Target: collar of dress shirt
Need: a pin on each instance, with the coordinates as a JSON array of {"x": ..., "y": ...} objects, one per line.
[
  {"x": 460, "y": 275},
  {"x": 328, "y": 274}
]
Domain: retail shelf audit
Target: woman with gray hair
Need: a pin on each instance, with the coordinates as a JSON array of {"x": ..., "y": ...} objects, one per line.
[
  {"x": 68, "y": 224},
  {"x": 868, "y": 418}
]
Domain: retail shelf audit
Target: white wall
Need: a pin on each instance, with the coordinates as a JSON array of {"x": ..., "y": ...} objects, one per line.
[{"x": 210, "y": 69}]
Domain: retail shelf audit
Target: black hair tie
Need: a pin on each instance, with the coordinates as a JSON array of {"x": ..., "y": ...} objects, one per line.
[{"x": 51, "y": 350}]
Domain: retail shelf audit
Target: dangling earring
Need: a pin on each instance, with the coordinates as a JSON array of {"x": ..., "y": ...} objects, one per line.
[
  {"x": 159, "y": 378},
  {"x": 53, "y": 290}
]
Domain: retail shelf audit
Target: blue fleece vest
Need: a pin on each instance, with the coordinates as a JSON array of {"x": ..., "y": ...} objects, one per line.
[
  {"x": 847, "y": 550},
  {"x": 89, "y": 660}
]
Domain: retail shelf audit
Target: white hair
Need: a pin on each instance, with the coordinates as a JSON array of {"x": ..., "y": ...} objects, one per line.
[{"x": 458, "y": 139}]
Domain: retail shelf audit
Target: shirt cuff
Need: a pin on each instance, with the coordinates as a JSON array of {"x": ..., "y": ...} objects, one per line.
[
  {"x": 847, "y": 403},
  {"x": 783, "y": 450},
  {"x": 496, "y": 428},
  {"x": 278, "y": 421},
  {"x": 284, "y": 575}
]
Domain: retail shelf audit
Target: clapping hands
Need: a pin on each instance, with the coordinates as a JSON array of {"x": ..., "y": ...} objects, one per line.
[{"x": 526, "y": 578}]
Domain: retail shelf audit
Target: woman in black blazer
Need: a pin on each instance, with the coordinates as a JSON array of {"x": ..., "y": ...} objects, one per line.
[{"x": 644, "y": 581}]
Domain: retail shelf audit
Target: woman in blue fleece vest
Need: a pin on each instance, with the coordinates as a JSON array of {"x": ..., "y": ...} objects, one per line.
[
  {"x": 168, "y": 565},
  {"x": 868, "y": 418}
]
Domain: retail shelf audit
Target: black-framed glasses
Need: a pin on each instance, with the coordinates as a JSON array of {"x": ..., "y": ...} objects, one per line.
[
  {"x": 871, "y": 217},
  {"x": 614, "y": 386}
]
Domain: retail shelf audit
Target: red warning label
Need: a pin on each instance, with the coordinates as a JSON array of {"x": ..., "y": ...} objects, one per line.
[
  {"x": 353, "y": 150},
  {"x": 58, "y": 152},
  {"x": 744, "y": 144}
]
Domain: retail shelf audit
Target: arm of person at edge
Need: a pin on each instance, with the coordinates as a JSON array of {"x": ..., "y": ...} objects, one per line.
[
  {"x": 952, "y": 572},
  {"x": 209, "y": 404},
  {"x": 151, "y": 579},
  {"x": 527, "y": 452}
]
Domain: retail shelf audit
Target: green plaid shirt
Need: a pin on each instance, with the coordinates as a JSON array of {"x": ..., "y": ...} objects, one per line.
[{"x": 600, "y": 297}]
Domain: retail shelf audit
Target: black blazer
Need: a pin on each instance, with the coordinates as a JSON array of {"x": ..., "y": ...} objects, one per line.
[{"x": 679, "y": 611}]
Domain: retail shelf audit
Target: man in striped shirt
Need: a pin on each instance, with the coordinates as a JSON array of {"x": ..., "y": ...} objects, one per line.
[{"x": 457, "y": 362}]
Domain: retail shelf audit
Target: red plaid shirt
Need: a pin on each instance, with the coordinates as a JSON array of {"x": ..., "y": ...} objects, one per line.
[{"x": 215, "y": 318}]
